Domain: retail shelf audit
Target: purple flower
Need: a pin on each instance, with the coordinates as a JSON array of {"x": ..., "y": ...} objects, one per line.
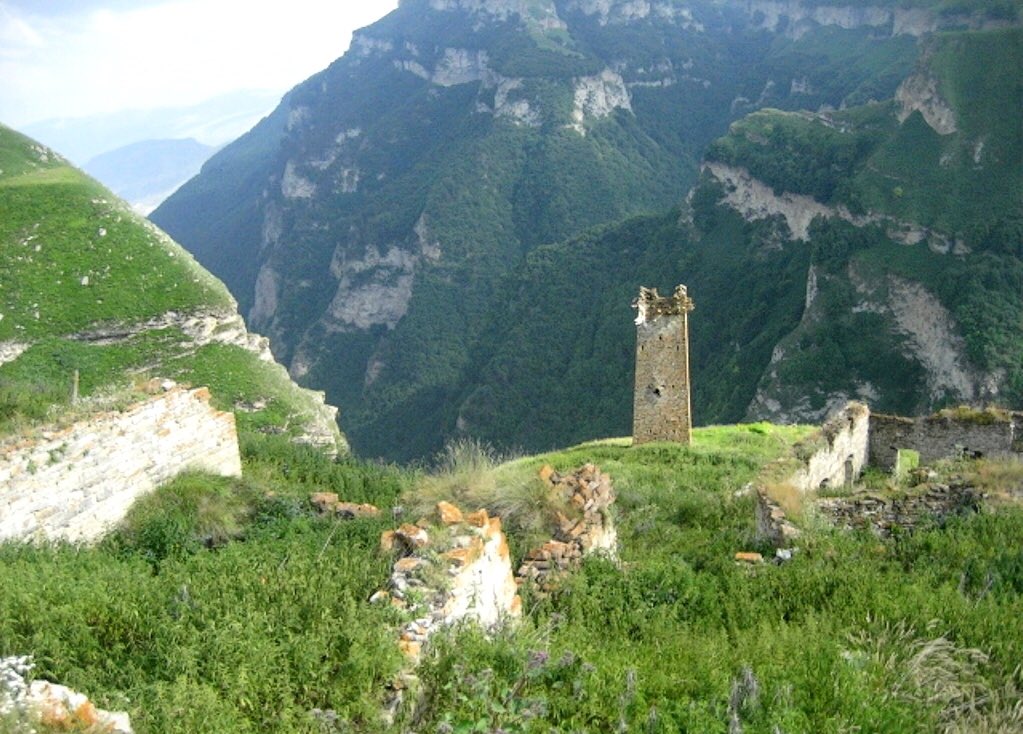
[{"x": 537, "y": 659}]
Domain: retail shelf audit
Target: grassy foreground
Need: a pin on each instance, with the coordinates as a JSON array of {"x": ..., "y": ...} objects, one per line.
[{"x": 228, "y": 606}]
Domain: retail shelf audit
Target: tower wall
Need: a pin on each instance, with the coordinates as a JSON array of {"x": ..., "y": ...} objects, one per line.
[{"x": 662, "y": 409}]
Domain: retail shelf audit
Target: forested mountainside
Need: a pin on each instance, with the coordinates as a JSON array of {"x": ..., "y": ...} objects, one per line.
[
  {"x": 88, "y": 286},
  {"x": 832, "y": 255},
  {"x": 387, "y": 224}
]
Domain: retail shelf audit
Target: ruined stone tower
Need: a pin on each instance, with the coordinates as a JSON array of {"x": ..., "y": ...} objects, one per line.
[{"x": 662, "y": 410}]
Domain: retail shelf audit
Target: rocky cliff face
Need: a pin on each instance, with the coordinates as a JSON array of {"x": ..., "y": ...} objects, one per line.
[{"x": 389, "y": 195}]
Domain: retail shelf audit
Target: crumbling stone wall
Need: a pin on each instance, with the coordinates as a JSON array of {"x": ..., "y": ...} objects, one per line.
[
  {"x": 661, "y": 405},
  {"x": 589, "y": 493},
  {"x": 836, "y": 456},
  {"x": 929, "y": 504},
  {"x": 773, "y": 524},
  {"x": 945, "y": 435},
  {"x": 77, "y": 482},
  {"x": 450, "y": 568}
]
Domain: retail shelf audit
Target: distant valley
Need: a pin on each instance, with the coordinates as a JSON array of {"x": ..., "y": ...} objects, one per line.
[{"x": 147, "y": 172}]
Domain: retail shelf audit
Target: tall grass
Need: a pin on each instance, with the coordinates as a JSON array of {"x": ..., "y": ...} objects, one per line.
[
  {"x": 259, "y": 630},
  {"x": 470, "y": 474}
]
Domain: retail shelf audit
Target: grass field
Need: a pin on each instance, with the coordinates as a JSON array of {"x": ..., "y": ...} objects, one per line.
[{"x": 227, "y": 605}]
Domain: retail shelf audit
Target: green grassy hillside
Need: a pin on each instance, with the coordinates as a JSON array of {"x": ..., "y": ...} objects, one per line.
[
  {"x": 87, "y": 285},
  {"x": 230, "y": 606},
  {"x": 73, "y": 255}
]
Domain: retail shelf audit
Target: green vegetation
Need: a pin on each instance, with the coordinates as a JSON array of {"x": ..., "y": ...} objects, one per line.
[
  {"x": 247, "y": 637},
  {"x": 502, "y": 200},
  {"x": 72, "y": 255},
  {"x": 36, "y": 388},
  {"x": 229, "y": 605},
  {"x": 80, "y": 277},
  {"x": 994, "y": 9}
]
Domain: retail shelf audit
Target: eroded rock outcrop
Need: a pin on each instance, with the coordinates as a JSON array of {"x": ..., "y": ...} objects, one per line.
[
  {"x": 756, "y": 200},
  {"x": 225, "y": 326},
  {"x": 598, "y": 96},
  {"x": 919, "y": 93}
]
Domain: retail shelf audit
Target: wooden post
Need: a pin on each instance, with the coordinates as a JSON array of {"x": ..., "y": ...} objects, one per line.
[{"x": 74, "y": 387}]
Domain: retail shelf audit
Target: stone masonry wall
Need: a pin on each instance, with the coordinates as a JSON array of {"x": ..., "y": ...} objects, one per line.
[
  {"x": 451, "y": 567},
  {"x": 944, "y": 436},
  {"x": 842, "y": 452},
  {"x": 661, "y": 404},
  {"x": 883, "y": 514},
  {"x": 835, "y": 457},
  {"x": 76, "y": 483},
  {"x": 589, "y": 493}
]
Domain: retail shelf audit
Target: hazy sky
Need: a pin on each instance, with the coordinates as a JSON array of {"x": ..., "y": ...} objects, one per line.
[{"x": 75, "y": 58}]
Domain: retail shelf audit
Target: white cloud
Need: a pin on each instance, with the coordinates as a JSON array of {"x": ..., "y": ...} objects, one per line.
[{"x": 99, "y": 59}]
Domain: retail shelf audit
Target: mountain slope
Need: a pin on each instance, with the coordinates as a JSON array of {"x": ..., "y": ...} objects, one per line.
[
  {"x": 86, "y": 285},
  {"x": 831, "y": 256},
  {"x": 366, "y": 223}
]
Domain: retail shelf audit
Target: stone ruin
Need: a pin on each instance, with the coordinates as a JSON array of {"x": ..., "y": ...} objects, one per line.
[
  {"x": 854, "y": 438},
  {"x": 55, "y": 706},
  {"x": 442, "y": 577},
  {"x": 76, "y": 482},
  {"x": 884, "y": 514},
  {"x": 947, "y": 433},
  {"x": 451, "y": 568},
  {"x": 456, "y": 567},
  {"x": 662, "y": 410},
  {"x": 590, "y": 493}
]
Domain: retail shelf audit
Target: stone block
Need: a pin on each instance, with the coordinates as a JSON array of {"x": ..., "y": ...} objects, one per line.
[
  {"x": 478, "y": 519},
  {"x": 412, "y": 536},
  {"x": 448, "y": 514},
  {"x": 351, "y": 510}
]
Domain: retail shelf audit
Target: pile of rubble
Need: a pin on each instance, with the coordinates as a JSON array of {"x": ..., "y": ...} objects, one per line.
[
  {"x": 454, "y": 566},
  {"x": 883, "y": 514},
  {"x": 588, "y": 494},
  {"x": 451, "y": 567},
  {"x": 328, "y": 503}
]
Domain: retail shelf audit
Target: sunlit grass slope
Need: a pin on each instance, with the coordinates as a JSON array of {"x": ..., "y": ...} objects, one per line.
[
  {"x": 75, "y": 259},
  {"x": 73, "y": 255}
]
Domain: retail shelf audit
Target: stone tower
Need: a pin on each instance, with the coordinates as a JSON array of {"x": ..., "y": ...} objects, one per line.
[{"x": 662, "y": 409}]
